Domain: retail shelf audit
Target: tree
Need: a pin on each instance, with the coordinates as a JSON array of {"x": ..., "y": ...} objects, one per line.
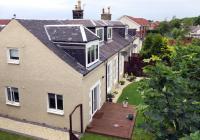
[
  {"x": 164, "y": 28},
  {"x": 197, "y": 21},
  {"x": 172, "y": 95},
  {"x": 192, "y": 136},
  {"x": 155, "y": 45},
  {"x": 196, "y": 41}
]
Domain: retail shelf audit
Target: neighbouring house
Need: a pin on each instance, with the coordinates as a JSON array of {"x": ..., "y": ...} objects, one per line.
[
  {"x": 194, "y": 31},
  {"x": 154, "y": 25},
  {"x": 141, "y": 26},
  {"x": 3, "y": 23},
  {"x": 50, "y": 67}
]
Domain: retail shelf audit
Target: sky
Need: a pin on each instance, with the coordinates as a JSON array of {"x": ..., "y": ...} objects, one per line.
[{"x": 62, "y": 9}]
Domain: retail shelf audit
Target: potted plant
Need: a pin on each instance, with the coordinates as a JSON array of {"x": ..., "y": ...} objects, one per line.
[
  {"x": 121, "y": 82},
  {"x": 131, "y": 78},
  {"x": 110, "y": 97},
  {"x": 115, "y": 92},
  {"x": 125, "y": 102}
]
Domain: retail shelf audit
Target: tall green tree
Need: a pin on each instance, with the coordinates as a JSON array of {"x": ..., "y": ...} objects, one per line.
[{"x": 172, "y": 95}]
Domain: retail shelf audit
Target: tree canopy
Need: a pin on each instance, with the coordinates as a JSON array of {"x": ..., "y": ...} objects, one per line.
[{"x": 172, "y": 94}]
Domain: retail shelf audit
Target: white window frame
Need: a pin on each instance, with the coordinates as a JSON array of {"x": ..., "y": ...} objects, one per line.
[
  {"x": 115, "y": 69},
  {"x": 102, "y": 33},
  {"x": 91, "y": 113},
  {"x": 12, "y": 61},
  {"x": 109, "y": 77},
  {"x": 110, "y": 33},
  {"x": 12, "y": 102},
  {"x": 121, "y": 64},
  {"x": 126, "y": 30},
  {"x": 56, "y": 110},
  {"x": 88, "y": 45}
]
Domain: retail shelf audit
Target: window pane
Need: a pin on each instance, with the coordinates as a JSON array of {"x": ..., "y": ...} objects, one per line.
[
  {"x": 14, "y": 54},
  {"x": 60, "y": 102},
  {"x": 9, "y": 94},
  {"x": 52, "y": 103},
  {"x": 88, "y": 53},
  {"x": 93, "y": 53},
  {"x": 97, "y": 52},
  {"x": 15, "y": 94}
]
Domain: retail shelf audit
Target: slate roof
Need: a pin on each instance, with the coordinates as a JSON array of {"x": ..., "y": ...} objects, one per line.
[
  {"x": 107, "y": 50},
  {"x": 85, "y": 22},
  {"x": 36, "y": 27},
  {"x": 110, "y": 48},
  {"x": 70, "y": 34},
  {"x": 194, "y": 29}
]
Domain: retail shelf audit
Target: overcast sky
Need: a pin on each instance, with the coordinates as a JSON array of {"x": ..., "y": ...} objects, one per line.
[{"x": 61, "y": 9}]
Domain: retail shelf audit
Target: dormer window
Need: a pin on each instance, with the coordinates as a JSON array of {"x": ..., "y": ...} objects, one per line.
[
  {"x": 100, "y": 33},
  {"x": 109, "y": 33},
  {"x": 126, "y": 30},
  {"x": 92, "y": 53},
  {"x": 13, "y": 55}
]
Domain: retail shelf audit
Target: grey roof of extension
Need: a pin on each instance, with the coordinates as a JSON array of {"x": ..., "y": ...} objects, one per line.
[{"x": 70, "y": 33}]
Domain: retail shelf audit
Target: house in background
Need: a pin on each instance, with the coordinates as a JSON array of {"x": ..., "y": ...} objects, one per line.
[
  {"x": 141, "y": 26},
  {"x": 53, "y": 66},
  {"x": 3, "y": 23},
  {"x": 194, "y": 31}
]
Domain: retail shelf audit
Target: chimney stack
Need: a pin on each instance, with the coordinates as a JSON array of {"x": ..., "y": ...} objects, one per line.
[
  {"x": 78, "y": 12},
  {"x": 106, "y": 15}
]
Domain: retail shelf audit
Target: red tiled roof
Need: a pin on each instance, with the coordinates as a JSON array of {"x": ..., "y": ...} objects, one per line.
[
  {"x": 140, "y": 21},
  {"x": 4, "y": 21}
]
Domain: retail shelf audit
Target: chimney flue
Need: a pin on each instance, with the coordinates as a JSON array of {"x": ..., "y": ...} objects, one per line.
[
  {"x": 78, "y": 12},
  {"x": 106, "y": 15}
]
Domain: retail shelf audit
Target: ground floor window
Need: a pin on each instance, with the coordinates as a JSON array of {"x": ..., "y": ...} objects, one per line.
[
  {"x": 12, "y": 94},
  {"x": 55, "y": 103}
]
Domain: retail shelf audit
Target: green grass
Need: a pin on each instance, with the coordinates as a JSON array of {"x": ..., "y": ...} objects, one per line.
[
  {"x": 134, "y": 98},
  {"x": 10, "y": 136}
]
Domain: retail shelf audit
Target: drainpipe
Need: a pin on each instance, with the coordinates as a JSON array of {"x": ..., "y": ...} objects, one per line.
[{"x": 118, "y": 66}]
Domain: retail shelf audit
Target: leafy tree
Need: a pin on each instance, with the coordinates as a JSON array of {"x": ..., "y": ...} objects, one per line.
[
  {"x": 192, "y": 136},
  {"x": 172, "y": 95},
  {"x": 164, "y": 28},
  {"x": 196, "y": 41},
  {"x": 175, "y": 23},
  {"x": 155, "y": 45},
  {"x": 197, "y": 21}
]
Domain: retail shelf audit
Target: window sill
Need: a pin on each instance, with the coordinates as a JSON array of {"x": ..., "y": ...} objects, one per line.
[
  {"x": 15, "y": 62},
  {"x": 56, "y": 112},
  {"x": 13, "y": 104}
]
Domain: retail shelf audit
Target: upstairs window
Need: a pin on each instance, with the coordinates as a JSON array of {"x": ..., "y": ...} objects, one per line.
[
  {"x": 13, "y": 55},
  {"x": 55, "y": 104},
  {"x": 100, "y": 33},
  {"x": 12, "y": 94},
  {"x": 92, "y": 55},
  {"x": 109, "y": 33},
  {"x": 126, "y": 30}
]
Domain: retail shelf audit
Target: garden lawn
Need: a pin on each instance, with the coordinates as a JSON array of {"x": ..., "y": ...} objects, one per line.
[
  {"x": 10, "y": 136},
  {"x": 134, "y": 98}
]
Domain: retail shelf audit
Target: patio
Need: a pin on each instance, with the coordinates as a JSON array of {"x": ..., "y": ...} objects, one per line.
[{"x": 111, "y": 120}]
